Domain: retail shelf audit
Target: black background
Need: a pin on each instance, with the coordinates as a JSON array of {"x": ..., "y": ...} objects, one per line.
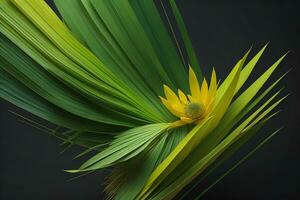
[{"x": 32, "y": 165}]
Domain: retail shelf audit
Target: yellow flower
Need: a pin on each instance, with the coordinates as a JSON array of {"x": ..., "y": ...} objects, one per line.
[{"x": 195, "y": 107}]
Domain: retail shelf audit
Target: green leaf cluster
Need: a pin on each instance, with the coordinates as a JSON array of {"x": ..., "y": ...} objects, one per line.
[{"x": 98, "y": 74}]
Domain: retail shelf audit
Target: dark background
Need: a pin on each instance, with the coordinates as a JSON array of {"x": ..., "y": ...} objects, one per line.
[{"x": 32, "y": 165}]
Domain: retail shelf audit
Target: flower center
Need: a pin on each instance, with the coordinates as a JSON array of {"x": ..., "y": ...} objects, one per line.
[{"x": 194, "y": 110}]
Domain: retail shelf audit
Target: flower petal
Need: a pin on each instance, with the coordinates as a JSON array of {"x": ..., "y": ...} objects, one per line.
[
  {"x": 194, "y": 84},
  {"x": 186, "y": 119},
  {"x": 213, "y": 84},
  {"x": 179, "y": 108},
  {"x": 204, "y": 92},
  {"x": 182, "y": 97},
  {"x": 170, "y": 107},
  {"x": 191, "y": 99},
  {"x": 171, "y": 96}
]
